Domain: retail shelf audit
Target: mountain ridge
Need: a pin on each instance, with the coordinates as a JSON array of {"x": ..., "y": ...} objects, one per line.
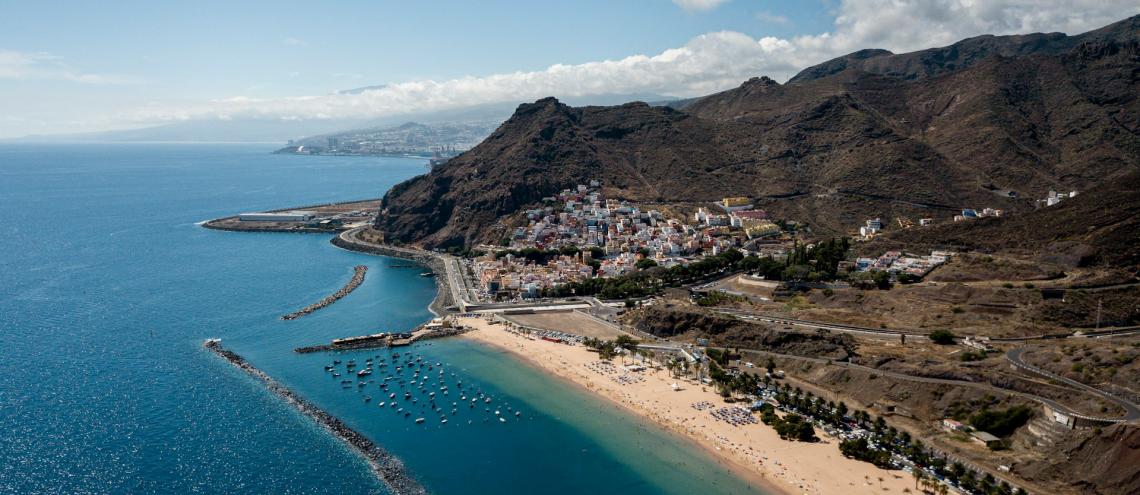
[{"x": 829, "y": 149}]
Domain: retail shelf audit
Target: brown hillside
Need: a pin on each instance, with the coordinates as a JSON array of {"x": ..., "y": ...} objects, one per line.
[{"x": 869, "y": 134}]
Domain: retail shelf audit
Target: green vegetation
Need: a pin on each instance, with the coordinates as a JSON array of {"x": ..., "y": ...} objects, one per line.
[
  {"x": 726, "y": 383},
  {"x": 875, "y": 279},
  {"x": 608, "y": 349},
  {"x": 860, "y": 450},
  {"x": 651, "y": 280},
  {"x": 821, "y": 262},
  {"x": 646, "y": 263},
  {"x": 942, "y": 337},
  {"x": 1001, "y": 423},
  {"x": 906, "y": 278},
  {"x": 716, "y": 298},
  {"x": 968, "y": 356},
  {"x": 790, "y": 427}
]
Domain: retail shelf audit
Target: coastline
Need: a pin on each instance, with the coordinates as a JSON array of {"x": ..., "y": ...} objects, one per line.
[
  {"x": 753, "y": 452},
  {"x": 442, "y": 300}
]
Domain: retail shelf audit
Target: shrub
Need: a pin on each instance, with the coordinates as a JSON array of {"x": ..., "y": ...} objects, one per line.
[
  {"x": 1001, "y": 423},
  {"x": 942, "y": 337}
]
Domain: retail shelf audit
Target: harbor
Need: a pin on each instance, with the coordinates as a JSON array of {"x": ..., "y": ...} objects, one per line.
[
  {"x": 436, "y": 328},
  {"x": 387, "y": 467},
  {"x": 413, "y": 388},
  {"x": 357, "y": 278}
]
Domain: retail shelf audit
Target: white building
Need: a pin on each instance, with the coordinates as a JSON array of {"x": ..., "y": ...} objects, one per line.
[{"x": 284, "y": 216}]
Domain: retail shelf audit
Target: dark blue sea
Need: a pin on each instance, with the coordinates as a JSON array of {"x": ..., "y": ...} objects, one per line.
[{"x": 108, "y": 288}]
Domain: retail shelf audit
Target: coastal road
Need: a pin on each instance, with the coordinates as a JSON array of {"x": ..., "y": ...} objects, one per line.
[{"x": 1015, "y": 357}]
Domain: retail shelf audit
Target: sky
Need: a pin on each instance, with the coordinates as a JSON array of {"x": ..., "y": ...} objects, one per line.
[{"x": 80, "y": 66}]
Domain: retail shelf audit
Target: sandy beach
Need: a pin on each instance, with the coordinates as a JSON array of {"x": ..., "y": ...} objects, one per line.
[{"x": 755, "y": 451}]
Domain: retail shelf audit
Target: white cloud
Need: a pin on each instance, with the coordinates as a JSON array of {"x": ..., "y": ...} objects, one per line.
[
  {"x": 699, "y": 5},
  {"x": 43, "y": 66},
  {"x": 707, "y": 63},
  {"x": 290, "y": 41},
  {"x": 770, "y": 18}
]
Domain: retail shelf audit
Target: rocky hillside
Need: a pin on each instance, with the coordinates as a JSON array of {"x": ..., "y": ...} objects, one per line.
[
  {"x": 989, "y": 121},
  {"x": 693, "y": 323},
  {"x": 1098, "y": 227},
  {"x": 1094, "y": 461}
]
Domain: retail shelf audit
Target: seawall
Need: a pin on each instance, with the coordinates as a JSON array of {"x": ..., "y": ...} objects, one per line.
[
  {"x": 357, "y": 278},
  {"x": 387, "y": 467}
]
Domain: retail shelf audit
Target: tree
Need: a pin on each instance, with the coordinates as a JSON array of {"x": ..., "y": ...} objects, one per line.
[
  {"x": 627, "y": 342},
  {"x": 882, "y": 279},
  {"x": 1001, "y": 422},
  {"x": 919, "y": 476},
  {"x": 644, "y": 264},
  {"x": 942, "y": 337}
]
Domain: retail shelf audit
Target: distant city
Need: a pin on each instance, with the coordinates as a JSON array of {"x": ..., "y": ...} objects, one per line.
[{"x": 437, "y": 140}]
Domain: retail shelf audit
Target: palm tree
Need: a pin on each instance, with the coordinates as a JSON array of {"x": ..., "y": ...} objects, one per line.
[{"x": 919, "y": 476}]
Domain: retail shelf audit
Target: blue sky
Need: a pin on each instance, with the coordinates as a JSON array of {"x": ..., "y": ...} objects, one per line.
[{"x": 77, "y": 66}]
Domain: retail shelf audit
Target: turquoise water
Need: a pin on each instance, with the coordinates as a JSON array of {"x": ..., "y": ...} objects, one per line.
[{"x": 108, "y": 289}]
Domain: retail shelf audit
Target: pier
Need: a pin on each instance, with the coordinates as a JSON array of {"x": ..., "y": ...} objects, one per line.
[
  {"x": 394, "y": 339},
  {"x": 387, "y": 467},
  {"x": 357, "y": 279}
]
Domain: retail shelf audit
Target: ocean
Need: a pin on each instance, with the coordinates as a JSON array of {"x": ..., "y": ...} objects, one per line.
[{"x": 108, "y": 288}]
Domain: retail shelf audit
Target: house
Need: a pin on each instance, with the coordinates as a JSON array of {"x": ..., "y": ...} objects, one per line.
[
  {"x": 953, "y": 425},
  {"x": 741, "y": 219},
  {"x": 736, "y": 203},
  {"x": 984, "y": 438},
  {"x": 872, "y": 227}
]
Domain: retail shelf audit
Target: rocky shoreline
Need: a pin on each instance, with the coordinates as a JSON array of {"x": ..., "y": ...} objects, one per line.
[
  {"x": 357, "y": 278},
  {"x": 387, "y": 467}
]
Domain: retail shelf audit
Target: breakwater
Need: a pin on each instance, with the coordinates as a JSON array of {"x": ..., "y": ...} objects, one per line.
[
  {"x": 443, "y": 299},
  {"x": 357, "y": 278},
  {"x": 387, "y": 467}
]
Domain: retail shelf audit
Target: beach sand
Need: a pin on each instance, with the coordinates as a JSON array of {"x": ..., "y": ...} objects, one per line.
[{"x": 755, "y": 451}]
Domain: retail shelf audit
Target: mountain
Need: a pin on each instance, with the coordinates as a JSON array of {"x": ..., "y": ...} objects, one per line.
[
  {"x": 267, "y": 130},
  {"x": 986, "y": 122},
  {"x": 457, "y": 129}
]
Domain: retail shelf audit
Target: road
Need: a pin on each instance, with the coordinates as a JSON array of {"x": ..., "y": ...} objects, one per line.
[
  {"x": 1132, "y": 411},
  {"x": 819, "y": 325}
]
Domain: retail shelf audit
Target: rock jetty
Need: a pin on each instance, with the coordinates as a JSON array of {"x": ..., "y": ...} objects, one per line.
[
  {"x": 387, "y": 467},
  {"x": 357, "y": 279}
]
